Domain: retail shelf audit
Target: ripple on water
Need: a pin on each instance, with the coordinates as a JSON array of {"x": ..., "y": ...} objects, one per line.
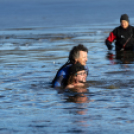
[{"x": 29, "y": 104}]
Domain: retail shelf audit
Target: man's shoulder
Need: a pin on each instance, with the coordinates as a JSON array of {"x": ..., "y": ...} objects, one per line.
[
  {"x": 66, "y": 67},
  {"x": 64, "y": 70},
  {"x": 132, "y": 27},
  {"x": 117, "y": 28}
]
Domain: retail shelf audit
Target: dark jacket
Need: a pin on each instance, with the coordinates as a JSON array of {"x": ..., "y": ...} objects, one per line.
[
  {"x": 124, "y": 38},
  {"x": 62, "y": 75}
]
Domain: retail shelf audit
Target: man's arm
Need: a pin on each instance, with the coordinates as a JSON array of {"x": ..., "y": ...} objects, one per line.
[
  {"x": 58, "y": 82},
  {"x": 109, "y": 41},
  {"x": 109, "y": 45},
  {"x": 61, "y": 76}
]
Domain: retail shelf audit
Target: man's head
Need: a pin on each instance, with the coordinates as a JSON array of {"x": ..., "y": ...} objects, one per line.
[
  {"x": 124, "y": 20},
  {"x": 78, "y": 54}
]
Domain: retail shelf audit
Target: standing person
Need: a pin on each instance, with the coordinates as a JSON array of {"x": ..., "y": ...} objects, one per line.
[
  {"x": 77, "y": 54},
  {"x": 123, "y": 36},
  {"x": 77, "y": 76}
]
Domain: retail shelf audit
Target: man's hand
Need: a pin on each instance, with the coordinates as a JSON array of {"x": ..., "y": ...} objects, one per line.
[{"x": 109, "y": 45}]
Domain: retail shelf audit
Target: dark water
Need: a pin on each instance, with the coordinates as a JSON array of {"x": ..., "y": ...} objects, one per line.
[{"x": 30, "y": 57}]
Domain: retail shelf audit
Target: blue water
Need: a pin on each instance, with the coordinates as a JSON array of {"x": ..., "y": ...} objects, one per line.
[
  {"x": 44, "y": 13},
  {"x": 35, "y": 40}
]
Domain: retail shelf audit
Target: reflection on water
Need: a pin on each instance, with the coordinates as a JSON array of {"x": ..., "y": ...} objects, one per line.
[
  {"x": 121, "y": 57},
  {"x": 79, "y": 96},
  {"x": 29, "y": 60}
]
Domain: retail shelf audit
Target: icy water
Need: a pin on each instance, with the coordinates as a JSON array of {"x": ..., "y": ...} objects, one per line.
[{"x": 30, "y": 57}]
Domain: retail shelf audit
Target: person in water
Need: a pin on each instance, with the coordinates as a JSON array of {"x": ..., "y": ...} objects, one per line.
[
  {"x": 77, "y": 76},
  {"x": 123, "y": 36},
  {"x": 77, "y": 54}
]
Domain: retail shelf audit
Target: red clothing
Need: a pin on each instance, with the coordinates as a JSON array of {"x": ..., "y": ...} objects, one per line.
[{"x": 121, "y": 36}]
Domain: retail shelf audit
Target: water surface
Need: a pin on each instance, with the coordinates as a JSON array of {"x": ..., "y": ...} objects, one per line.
[{"x": 30, "y": 55}]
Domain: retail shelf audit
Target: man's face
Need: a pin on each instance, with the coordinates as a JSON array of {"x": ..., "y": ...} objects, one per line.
[
  {"x": 124, "y": 24},
  {"x": 82, "y": 59},
  {"x": 81, "y": 76}
]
